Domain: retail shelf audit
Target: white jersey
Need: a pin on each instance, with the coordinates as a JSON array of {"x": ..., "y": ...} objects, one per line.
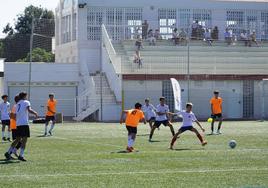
[
  {"x": 161, "y": 109},
  {"x": 187, "y": 118},
  {"x": 149, "y": 111},
  {"x": 22, "y": 114},
  {"x": 5, "y": 110}
]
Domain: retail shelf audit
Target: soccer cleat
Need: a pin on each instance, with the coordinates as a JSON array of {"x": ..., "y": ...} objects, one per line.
[
  {"x": 8, "y": 139},
  {"x": 129, "y": 149},
  {"x": 50, "y": 133},
  {"x": 4, "y": 139},
  {"x": 45, "y": 134},
  {"x": 212, "y": 133},
  {"x": 204, "y": 143},
  {"x": 218, "y": 132},
  {"x": 22, "y": 159},
  {"x": 171, "y": 148},
  {"x": 8, "y": 156}
]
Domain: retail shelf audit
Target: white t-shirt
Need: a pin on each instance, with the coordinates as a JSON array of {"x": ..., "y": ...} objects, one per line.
[
  {"x": 22, "y": 114},
  {"x": 149, "y": 111},
  {"x": 5, "y": 110},
  {"x": 161, "y": 109},
  {"x": 187, "y": 118}
]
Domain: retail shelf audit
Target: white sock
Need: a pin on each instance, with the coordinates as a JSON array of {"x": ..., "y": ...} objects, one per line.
[
  {"x": 128, "y": 142},
  {"x": 52, "y": 127},
  {"x": 8, "y": 134},
  {"x": 3, "y": 134},
  {"x": 46, "y": 128},
  {"x": 21, "y": 152},
  {"x": 131, "y": 142}
]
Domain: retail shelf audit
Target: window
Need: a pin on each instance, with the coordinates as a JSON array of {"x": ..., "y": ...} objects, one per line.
[
  {"x": 66, "y": 29},
  {"x": 203, "y": 17},
  {"x": 184, "y": 19},
  {"x": 74, "y": 27},
  {"x": 234, "y": 21},
  {"x": 167, "y": 21},
  {"x": 167, "y": 92},
  {"x": 264, "y": 25},
  {"x": 67, "y": 4}
]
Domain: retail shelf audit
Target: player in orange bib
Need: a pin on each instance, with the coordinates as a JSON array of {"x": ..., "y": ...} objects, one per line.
[
  {"x": 216, "y": 111},
  {"x": 133, "y": 117},
  {"x": 51, "y": 112},
  {"x": 13, "y": 125}
]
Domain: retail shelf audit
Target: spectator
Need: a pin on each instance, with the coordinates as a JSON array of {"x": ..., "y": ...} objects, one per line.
[
  {"x": 215, "y": 33},
  {"x": 253, "y": 39},
  {"x": 228, "y": 36},
  {"x": 138, "y": 46},
  {"x": 175, "y": 36},
  {"x": 136, "y": 32},
  {"x": 137, "y": 60},
  {"x": 207, "y": 37},
  {"x": 244, "y": 37},
  {"x": 151, "y": 37},
  {"x": 145, "y": 27},
  {"x": 194, "y": 29},
  {"x": 157, "y": 35},
  {"x": 183, "y": 36}
]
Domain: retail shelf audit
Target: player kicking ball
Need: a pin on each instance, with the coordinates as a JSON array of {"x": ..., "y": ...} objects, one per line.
[
  {"x": 133, "y": 117},
  {"x": 187, "y": 125},
  {"x": 51, "y": 112}
]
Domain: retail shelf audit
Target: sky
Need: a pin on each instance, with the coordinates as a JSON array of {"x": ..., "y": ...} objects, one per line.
[{"x": 9, "y": 9}]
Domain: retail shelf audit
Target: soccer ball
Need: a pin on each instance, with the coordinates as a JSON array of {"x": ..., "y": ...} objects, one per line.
[
  {"x": 209, "y": 120},
  {"x": 232, "y": 144}
]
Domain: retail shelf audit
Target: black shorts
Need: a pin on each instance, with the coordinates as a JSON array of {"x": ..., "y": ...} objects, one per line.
[
  {"x": 131, "y": 130},
  {"x": 14, "y": 134},
  {"x": 6, "y": 122},
  {"x": 23, "y": 131},
  {"x": 152, "y": 119},
  {"x": 183, "y": 129},
  {"x": 214, "y": 116},
  {"x": 158, "y": 123},
  {"x": 50, "y": 118}
]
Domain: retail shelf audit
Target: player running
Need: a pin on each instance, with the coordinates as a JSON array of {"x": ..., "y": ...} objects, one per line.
[
  {"x": 23, "y": 108},
  {"x": 5, "y": 117},
  {"x": 216, "y": 111},
  {"x": 133, "y": 117},
  {"x": 149, "y": 112},
  {"x": 187, "y": 124},
  {"x": 162, "y": 117},
  {"x": 13, "y": 125},
  {"x": 50, "y": 115}
]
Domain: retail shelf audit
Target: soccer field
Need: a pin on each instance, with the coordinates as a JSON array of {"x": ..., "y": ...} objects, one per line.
[{"x": 90, "y": 155}]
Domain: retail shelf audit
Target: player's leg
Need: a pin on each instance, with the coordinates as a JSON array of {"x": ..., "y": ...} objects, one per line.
[
  {"x": 46, "y": 125},
  {"x": 156, "y": 125},
  {"x": 8, "y": 130},
  {"x": 22, "y": 148},
  {"x": 3, "y": 132},
  {"x": 133, "y": 138},
  {"x": 199, "y": 136},
  {"x": 150, "y": 123},
  {"x": 171, "y": 127},
  {"x": 52, "y": 125},
  {"x": 175, "y": 137},
  {"x": 220, "y": 123},
  {"x": 14, "y": 136},
  {"x": 12, "y": 147},
  {"x": 212, "y": 124}
]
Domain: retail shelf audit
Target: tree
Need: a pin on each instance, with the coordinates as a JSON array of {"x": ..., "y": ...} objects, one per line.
[
  {"x": 8, "y": 30},
  {"x": 39, "y": 55}
]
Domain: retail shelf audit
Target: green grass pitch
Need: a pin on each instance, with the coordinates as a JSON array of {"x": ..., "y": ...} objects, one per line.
[{"x": 88, "y": 155}]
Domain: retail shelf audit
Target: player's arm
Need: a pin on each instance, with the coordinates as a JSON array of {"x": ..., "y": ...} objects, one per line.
[
  {"x": 199, "y": 124},
  {"x": 211, "y": 107},
  {"x": 48, "y": 109},
  {"x": 32, "y": 111},
  {"x": 122, "y": 116}
]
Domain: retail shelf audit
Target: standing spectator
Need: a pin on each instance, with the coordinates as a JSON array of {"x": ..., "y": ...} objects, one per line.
[
  {"x": 136, "y": 32},
  {"x": 145, "y": 27},
  {"x": 194, "y": 29},
  {"x": 244, "y": 37},
  {"x": 215, "y": 33},
  {"x": 175, "y": 36},
  {"x": 183, "y": 36},
  {"x": 157, "y": 35},
  {"x": 227, "y": 36},
  {"x": 207, "y": 37},
  {"x": 137, "y": 60},
  {"x": 138, "y": 46},
  {"x": 151, "y": 37},
  {"x": 253, "y": 38}
]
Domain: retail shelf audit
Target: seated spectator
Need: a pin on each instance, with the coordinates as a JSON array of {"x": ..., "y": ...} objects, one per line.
[
  {"x": 151, "y": 37},
  {"x": 194, "y": 29},
  {"x": 215, "y": 33},
  {"x": 253, "y": 38},
  {"x": 183, "y": 36},
  {"x": 175, "y": 36},
  {"x": 207, "y": 37},
  {"x": 228, "y": 36},
  {"x": 244, "y": 37},
  {"x": 138, "y": 46},
  {"x": 157, "y": 35},
  {"x": 200, "y": 32}
]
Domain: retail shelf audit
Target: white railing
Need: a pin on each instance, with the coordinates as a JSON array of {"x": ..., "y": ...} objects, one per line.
[{"x": 111, "y": 65}]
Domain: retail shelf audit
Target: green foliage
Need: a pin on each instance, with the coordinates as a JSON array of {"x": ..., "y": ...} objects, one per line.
[
  {"x": 8, "y": 30},
  {"x": 39, "y": 55}
]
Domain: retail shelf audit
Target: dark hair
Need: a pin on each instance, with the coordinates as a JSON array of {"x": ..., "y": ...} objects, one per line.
[
  {"x": 4, "y": 96},
  {"x": 162, "y": 98},
  {"x": 17, "y": 98},
  {"x": 147, "y": 99},
  {"x": 51, "y": 94},
  {"x": 189, "y": 104},
  {"x": 216, "y": 92},
  {"x": 22, "y": 95},
  {"x": 138, "y": 105}
]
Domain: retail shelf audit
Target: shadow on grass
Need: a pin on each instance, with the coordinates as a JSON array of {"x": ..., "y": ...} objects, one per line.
[
  {"x": 6, "y": 162},
  {"x": 143, "y": 134},
  {"x": 124, "y": 151},
  {"x": 154, "y": 141},
  {"x": 43, "y": 136},
  {"x": 187, "y": 149}
]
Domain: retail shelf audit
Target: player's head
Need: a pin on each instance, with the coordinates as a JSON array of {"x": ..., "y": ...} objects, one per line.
[
  {"x": 189, "y": 106},
  {"x": 162, "y": 100},
  {"x": 5, "y": 97},
  {"x": 23, "y": 95},
  {"x": 138, "y": 105},
  {"x": 51, "y": 96},
  {"x": 17, "y": 98},
  {"x": 216, "y": 93},
  {"x": 147, "y": 101}
]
